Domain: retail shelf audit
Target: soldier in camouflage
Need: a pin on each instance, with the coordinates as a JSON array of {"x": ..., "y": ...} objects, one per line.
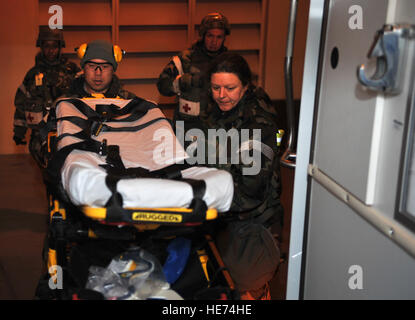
[
  {"x": 238, "y": 105},
  {"x": 184, "y": 75},
  {"x": 50, "y": 78}
]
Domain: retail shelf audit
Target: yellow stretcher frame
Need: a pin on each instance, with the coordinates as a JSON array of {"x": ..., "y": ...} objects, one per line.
[
  {"x": 138, "y": 215},
  {"x": 146, "y": 219},
  {"x": 150, "y": 215}
]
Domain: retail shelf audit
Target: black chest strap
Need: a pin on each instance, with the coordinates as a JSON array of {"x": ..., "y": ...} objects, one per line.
[{"x": 116, "y": 172}]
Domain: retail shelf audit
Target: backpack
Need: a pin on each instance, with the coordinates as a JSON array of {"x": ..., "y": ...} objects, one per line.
[{"x": 250, "y": 253}]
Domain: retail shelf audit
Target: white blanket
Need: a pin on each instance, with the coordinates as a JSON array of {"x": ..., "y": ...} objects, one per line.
[{"x": 152, "y": 148}]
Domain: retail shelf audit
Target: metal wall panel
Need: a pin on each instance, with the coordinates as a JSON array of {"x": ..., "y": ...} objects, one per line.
[
  {"x": 358, "y": 144},
  {"x": 346, "y": 112},
  {"x": 340, "y": 239}
]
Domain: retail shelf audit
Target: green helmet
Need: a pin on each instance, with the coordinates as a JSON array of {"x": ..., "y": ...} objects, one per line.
[
  {"x": 214, "y": 20},
  {"x": 46, "y": 34}
]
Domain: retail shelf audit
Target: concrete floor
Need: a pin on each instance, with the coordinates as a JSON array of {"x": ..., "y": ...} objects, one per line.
[
  {"x": 23, "y": 223},
  {"x": 279, "y": 283}
]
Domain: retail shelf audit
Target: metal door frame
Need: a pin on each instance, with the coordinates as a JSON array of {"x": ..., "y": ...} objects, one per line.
[
  {"x": 317, "y": 13},
  {"x": 304, "y": 172}
]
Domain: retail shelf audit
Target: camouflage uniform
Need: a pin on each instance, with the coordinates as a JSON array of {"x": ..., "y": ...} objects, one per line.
[
  {"x": 192, "y": 88},
  {"x": 246, "y": 244},
  {"x": 258, "y": 194},
  {"x": 44, "y": 83}
]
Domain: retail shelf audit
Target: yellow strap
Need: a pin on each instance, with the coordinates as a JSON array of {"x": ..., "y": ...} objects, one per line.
[
  {"x": 203, "y": 257},
  {"x": 100, "y": 96},
  {"x": 101, "y": 213}
]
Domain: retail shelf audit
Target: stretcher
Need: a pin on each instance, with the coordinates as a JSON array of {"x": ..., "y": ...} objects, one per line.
[
  {"x": 116, "y": 172},
  {"x": 151, "y": 147}
]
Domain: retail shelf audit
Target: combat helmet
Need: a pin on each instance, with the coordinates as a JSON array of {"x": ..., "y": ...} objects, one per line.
[
  {"x": 214, "y": 20},
  {"x": 46, "y": 34}
]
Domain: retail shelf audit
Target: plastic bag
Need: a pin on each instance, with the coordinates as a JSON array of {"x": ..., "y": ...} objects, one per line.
[{"x": 133, "y": 275}]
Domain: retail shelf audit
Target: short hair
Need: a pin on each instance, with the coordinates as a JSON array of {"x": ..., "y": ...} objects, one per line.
[{"x": 231, "y": 63}]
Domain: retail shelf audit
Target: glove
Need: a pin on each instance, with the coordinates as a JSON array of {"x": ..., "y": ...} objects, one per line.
[{"x": 19, "y": 141}]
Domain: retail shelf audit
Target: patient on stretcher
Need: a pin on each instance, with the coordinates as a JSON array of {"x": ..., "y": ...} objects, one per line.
[{"x": 145, "y": 140}]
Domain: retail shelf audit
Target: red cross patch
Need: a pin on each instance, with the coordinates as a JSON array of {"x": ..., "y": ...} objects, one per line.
[
  {"x": 186, "y": 108},
  {"x": 30, "y": 118},
  {"x": 33, "y": 118}
]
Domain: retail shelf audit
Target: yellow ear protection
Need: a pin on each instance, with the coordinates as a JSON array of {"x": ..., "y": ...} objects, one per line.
[
  {"x": 80, "y": 51},
  {"x": 117, "y": 52}
]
